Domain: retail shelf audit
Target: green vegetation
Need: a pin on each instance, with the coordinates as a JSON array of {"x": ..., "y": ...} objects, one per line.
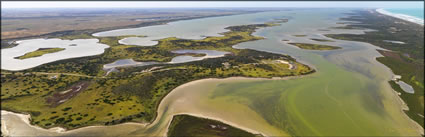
[
  {"x": 185, "y": 125},
  {"x": 88, "y": 107},
  {"x": 160, "y": 52},
  {"x": 314, "y": 46},
  {"x": 323, "y": 40},
  {"x": 39, "y": 52},
  {"x": 132, "y": 94},
  {"x": 406, "y": 60},
  {"x": 299, "y": 35}
]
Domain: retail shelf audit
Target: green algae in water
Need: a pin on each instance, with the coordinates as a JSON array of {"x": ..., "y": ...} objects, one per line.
[{"x": 334, "y": 102}]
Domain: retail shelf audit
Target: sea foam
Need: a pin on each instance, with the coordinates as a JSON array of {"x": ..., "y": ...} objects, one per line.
[{"x": 402, "y": 16}]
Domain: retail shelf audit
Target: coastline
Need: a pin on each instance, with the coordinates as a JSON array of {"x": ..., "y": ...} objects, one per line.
[
  {"x": 401, "y": 16},
  {"x": 406, "y": 104},
  {"x": 25, "y": 118},
  {"x": 400, "y": 94}
]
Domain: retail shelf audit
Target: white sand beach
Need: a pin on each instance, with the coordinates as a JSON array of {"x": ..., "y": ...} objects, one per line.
[{"x": 402, "y": 16}]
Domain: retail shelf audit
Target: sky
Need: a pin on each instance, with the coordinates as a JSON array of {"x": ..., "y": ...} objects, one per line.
[{"x": 211, "y": 4}]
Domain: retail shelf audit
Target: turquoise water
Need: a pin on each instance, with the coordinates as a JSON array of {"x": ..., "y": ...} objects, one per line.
[{"x": 415, "y": 12}]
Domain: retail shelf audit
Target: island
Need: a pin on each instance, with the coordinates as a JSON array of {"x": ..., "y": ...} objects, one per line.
[
  {"x": 314, "y": 46},
  {"x": 39, "y": 52},
  {"x": 299, "y": 35},
  {"x": 186, "y": 125},
  {"x": 78, "y": 92},
  {"x": 323, "y": 40}
]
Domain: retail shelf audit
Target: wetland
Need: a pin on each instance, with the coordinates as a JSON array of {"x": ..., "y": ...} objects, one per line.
[{"x": 348, "y": 93}]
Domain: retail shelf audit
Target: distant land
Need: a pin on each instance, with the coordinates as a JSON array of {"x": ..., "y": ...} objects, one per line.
[{"x": 40, "y": 22}]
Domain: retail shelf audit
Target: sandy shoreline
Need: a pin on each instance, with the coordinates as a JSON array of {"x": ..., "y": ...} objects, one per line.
[
  {"x": 237, "y": 78},
  {"x": 26, "y": 118},
  {"x": 253, "y": 131},
  {"x": 55, "y": 130},
  {"x": 401, "y": 16}
]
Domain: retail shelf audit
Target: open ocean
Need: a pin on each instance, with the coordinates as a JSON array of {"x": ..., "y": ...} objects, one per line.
[{"x": 415, "y": 12}]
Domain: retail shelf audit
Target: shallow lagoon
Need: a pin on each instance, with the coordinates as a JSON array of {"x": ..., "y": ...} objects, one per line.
[
  {"x": 349, "y": 95},
  {"x": 175, "y": 60},
  {"x": 209, "y": 54},
  {"x": 73, "y": 49},
  {"x": 406, "y": 87},
  {"x": 126, "y": 63}
]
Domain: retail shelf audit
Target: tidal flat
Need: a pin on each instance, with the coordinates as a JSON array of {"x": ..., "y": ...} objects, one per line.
[{"x": 347, "y": 96}]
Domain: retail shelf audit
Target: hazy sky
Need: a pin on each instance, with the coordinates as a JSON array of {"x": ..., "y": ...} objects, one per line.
[{"x": 194, "y": 4}]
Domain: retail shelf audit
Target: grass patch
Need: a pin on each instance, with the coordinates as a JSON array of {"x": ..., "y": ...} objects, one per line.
[
  {"x": 314, "y": 46},
  {"x": 39, "y": 52}
]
